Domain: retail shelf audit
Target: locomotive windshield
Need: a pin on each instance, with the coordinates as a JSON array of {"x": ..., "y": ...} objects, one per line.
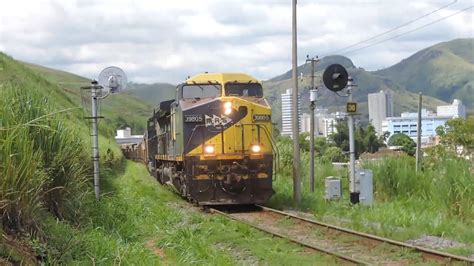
[
  {"x": 201, "y": 91},
  {"x": 243, "y": 89}
]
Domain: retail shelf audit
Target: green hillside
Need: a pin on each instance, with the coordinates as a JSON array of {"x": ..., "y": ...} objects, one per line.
[
  {"x": 153, "y": 94},
  {"x": 119, "y": 110},
  {"x": 48, "y": 211},
  {"x": 444, "y": 71}
]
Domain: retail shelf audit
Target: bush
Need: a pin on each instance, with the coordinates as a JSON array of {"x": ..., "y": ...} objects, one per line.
[{"x": 334, "y": 154}]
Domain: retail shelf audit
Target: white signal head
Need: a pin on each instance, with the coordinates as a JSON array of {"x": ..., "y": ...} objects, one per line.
[{"x": 113, "y": 78}]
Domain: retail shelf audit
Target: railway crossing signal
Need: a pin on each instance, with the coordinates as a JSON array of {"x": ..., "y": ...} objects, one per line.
[{"x": 336, "y": 78}]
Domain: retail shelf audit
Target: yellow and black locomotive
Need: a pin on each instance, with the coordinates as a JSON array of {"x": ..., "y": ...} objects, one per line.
[{"x": 213, "y": 142}]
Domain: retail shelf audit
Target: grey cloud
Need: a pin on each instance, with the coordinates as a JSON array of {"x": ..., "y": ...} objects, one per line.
[{"x": 167, "y": 41}]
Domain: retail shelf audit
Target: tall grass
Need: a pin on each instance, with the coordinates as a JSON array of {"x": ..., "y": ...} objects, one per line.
[
  {"x": 448, "y": 183},
  {"x": 438, "y": 201},
  {"x": 43, "y": 165}
]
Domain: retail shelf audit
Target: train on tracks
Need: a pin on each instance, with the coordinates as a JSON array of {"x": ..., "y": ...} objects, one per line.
[{"x": 213, "y": 143}]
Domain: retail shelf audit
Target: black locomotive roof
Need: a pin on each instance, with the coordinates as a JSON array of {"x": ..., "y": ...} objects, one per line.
[{"x": 165, "y": 106}]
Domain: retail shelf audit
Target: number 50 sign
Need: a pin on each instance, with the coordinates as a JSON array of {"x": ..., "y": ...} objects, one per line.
[{"x": 351, "y": 107}]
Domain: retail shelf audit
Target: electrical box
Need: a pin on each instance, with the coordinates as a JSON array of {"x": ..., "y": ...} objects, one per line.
[
  {"x": 364, "y": 178},
  {"x": 313, "y": 95},
  {"x": 333, "y": 188}
]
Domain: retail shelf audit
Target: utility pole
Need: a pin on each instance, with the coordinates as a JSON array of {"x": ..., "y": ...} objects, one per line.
[
  {"x": 418, "y": 134},
  {"x": 95, "y": 88},
  {"x": 312, "y": 97},
  {"x": 354, "y": 194},
  {"x": 296, "y": 144}
]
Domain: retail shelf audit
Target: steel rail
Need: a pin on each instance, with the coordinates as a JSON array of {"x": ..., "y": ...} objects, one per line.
[
  {"x": 426, "y": 252},
  {"x": 341, "y": 257}
]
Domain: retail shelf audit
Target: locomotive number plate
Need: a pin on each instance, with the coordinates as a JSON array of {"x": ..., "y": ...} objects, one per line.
[
  {"x": 262, "y": 117},
  {"x": 193, "y": 119}
]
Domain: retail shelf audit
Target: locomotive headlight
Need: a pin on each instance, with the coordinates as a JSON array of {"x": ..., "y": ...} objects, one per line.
[
  {"x": 209, "y": 149},
  {"x": 227, "y": 108},
  {"x": 255, "y": 148}
]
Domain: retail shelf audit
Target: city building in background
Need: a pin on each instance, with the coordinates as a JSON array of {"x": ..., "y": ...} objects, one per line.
[
  {"x": 380, "y": 107},
  {"x": 287, "y": 113},
  {"x": 454, "y": 110},
  {"x": 407, "y": 124},
  {"x": 324, "y": 122},
  {"x": 305, "y": 125}
]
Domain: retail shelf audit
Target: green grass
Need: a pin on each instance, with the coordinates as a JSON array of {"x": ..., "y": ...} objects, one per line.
[
  {"x": 137, "y": 211},
  {"x": 437, "y": 202}
]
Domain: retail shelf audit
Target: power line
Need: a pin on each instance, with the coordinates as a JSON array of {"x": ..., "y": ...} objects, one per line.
[
  {"x": 393, "y": 29},
  {"x": 410, "y": 31}
]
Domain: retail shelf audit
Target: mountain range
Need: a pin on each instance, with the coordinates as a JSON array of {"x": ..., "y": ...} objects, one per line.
[{"x": 442, "y": 72}]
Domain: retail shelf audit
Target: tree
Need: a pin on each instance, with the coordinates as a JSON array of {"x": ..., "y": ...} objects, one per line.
[
  {"x": 320, "y": 145},
  {"x": 365, "y": 139},
  {"x": 371, "y": 141},
  {"x": 276, "y": 132},
  {"x": 458, "y": 133},
  {"x": 341, "y": 137},
  {"x": 406, "y": 143}
]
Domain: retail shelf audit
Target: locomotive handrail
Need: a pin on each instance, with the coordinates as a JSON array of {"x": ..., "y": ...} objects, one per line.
[{"x": 274, "y": 148}]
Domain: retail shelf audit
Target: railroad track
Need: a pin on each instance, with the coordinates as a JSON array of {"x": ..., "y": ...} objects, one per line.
[{"x": 347, "y": 246}]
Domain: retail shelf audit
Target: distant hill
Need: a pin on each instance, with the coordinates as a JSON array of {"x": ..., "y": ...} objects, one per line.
[
  {"x": 320, "y": 66},
  {"x": 153, "y": 94},
  {"x": 444, "y": 71},
  {"x": 367, "y": 82},
  {"x": 119, "y": 110}
]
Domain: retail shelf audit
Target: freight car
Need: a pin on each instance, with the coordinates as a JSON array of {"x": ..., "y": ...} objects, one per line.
[{"x": 213, "y": 142}]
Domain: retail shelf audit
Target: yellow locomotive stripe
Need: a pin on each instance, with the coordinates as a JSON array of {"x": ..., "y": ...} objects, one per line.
[
  {"x": 260, "y": 175},
  {"x": 164, "y": 157},
  {"x": 206, "y": 157}
]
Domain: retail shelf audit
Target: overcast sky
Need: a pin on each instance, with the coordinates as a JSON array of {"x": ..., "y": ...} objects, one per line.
[{"x": 165, "y": 41}]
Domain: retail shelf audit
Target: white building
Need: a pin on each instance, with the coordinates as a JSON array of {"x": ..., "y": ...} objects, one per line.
[
  {"x": 407, "y": 124},
  {"x": 380, "y": 107},
  {"x": 287, "y": 113},
  {"x": 324, "y": 122},
  {"x": 454, "y": 110},
  {"x": 329, "y": 126},
  {"x": 124, "y": 136}
]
